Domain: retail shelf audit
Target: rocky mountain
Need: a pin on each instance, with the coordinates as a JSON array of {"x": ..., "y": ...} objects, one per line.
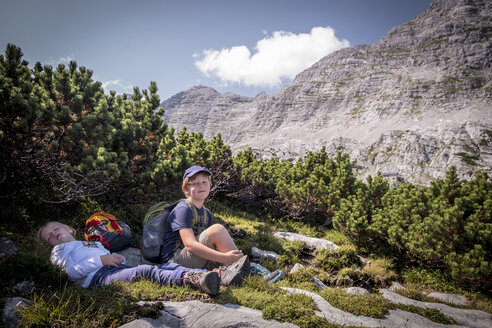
[{"x": 414, "y": 103}]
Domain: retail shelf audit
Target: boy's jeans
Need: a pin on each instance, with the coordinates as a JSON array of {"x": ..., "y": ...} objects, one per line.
[{"x": 165, "y": 273}]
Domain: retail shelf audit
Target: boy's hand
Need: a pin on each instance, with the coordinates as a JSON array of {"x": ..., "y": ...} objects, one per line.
[
  {"x": 233, "y": 256},
  {"x": 111, "y": 260}
]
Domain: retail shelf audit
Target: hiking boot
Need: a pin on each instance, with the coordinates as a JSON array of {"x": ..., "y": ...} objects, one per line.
[
  {"x": 208, "y": 282},
  {"x": 234, "y": 274}
]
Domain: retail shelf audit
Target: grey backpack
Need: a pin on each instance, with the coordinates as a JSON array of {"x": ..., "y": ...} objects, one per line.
[{"x": 154, "y": 226}]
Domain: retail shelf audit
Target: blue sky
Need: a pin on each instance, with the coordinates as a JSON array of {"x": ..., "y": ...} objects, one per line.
[{"x": 245, "y": 47}]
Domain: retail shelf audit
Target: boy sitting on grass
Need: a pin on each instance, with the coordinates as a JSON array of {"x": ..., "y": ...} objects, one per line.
[
  {"x": 191, "y": 239},
  {"x": 89, "y": 264}
]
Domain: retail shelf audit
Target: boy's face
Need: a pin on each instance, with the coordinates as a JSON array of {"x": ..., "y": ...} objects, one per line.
[
  {"x": 199, "y": 187},
  {"x": 55, "y": 233}
]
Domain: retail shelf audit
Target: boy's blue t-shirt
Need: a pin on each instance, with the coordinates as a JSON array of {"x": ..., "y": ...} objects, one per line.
[{"x": 181, "y": 217}]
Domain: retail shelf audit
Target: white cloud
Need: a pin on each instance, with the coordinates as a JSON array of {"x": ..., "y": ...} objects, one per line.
[
  {"x": 65, "y": 60},
  {"x": 118, "y": 86},
  {"x": 280, "y": 56},
  {"x": 62, "y": 60}
]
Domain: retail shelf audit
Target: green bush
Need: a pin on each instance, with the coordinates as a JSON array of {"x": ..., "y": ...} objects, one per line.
[
  {"x": 311, "y": 188},
  {"x": 447, "y": 225},
  {"x": 373, "y": 305},
  {"x": 334, "y": 260}
]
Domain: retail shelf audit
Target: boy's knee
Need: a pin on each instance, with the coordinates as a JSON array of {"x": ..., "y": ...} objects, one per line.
[{"x": 216, "y": 228}]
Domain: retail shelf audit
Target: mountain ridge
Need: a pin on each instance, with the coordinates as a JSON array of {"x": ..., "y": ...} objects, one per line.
[{"x": 415, "y": 102}]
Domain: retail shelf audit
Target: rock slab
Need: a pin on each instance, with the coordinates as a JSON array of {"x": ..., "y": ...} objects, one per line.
[
  {"x": 205, "y": 315},
  {"x": 316, "y": 243},
  {"x": 12, "y": 306}
]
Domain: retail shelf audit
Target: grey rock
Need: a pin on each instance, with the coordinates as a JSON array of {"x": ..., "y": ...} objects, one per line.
[
  {"x": 261, "y": 255},
  {"x": 465, "y": 317},
  {"x": 198, "y": 314},
  {"x": 395, "y": 318},
  {"x": 23, "y": 288},
  {"x": 357, "y": 291},
  {"x": 450, "y": 298},
  {"x": 296, "y": 267},
  {"x": 318, "y": 282},
  {"x": 7, "y": 247},
  {"x": 9, "y": 314},
  {"x": 414, "y": 103},
  {"x": 395, "y": 286},
  {"x": 133, "y": 256},
  {"x": 316, "y": 243}
]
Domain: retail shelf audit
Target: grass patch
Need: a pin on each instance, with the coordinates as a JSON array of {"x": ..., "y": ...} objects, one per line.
[
  {"x": 111, "y": 306},
  {"x": 380, "y": 271},
  {"x": 374, "y": 305},
  {"x": 431, "y": 314},
  {"x": 334, "y": 260},
  {"x": 419, "y": 280},
  {"x": 353, "y": 276},
  {"x": 73, "y": 307},
  {"x": 303, "y": 279}
]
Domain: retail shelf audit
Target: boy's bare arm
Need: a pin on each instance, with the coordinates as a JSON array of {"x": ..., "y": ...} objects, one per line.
[{"x": 196, "y": 248}]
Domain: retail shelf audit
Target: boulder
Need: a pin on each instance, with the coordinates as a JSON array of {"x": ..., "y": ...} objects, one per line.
[
  {"x": 7, "y": 247},
  {"x": 318, "y": 282},
  {"x": 23, "y": 288},
  {"x": 450, "y": 298},
  {"x": 203, "y": 315},
  {"x": 357, "y": 291},
  {"x": 261, "y": 255},
  {"x": 297, "y": 267},
  {"x": 395, "y": 286},
  {"x": 133, "y": 256},
  {"x": 12, "y": 305},
  {"x": 316, "y": 243}
]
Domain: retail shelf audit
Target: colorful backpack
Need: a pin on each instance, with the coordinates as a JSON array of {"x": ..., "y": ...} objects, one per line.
[{"x": 114, "y": 234}]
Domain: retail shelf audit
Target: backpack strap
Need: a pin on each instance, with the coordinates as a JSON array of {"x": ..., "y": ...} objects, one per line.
[{"x": 193, "y": 211}]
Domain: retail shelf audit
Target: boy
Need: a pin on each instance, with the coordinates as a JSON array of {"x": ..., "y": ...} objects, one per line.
[
  {"x": 193, "y": 240},
  {"x": 91, "y": 265}
]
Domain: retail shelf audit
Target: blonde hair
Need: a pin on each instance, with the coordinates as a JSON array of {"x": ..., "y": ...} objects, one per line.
[
  {"x": 190, "y": 180},
  {"x": 45, "y": 242}
]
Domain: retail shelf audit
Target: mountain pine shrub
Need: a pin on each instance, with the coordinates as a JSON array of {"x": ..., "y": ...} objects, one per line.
[{"x": 447, "y": 225}]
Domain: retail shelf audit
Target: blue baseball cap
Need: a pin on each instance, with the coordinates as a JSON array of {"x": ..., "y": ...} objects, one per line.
[{"x": 194, "y": 170}]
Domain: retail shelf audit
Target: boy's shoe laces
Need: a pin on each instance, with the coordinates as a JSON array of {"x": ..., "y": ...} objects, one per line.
[{"x": 208, "y": 282}]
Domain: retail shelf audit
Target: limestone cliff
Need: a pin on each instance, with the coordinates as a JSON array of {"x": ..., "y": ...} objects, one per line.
[{"x": 415, "y": 103}]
